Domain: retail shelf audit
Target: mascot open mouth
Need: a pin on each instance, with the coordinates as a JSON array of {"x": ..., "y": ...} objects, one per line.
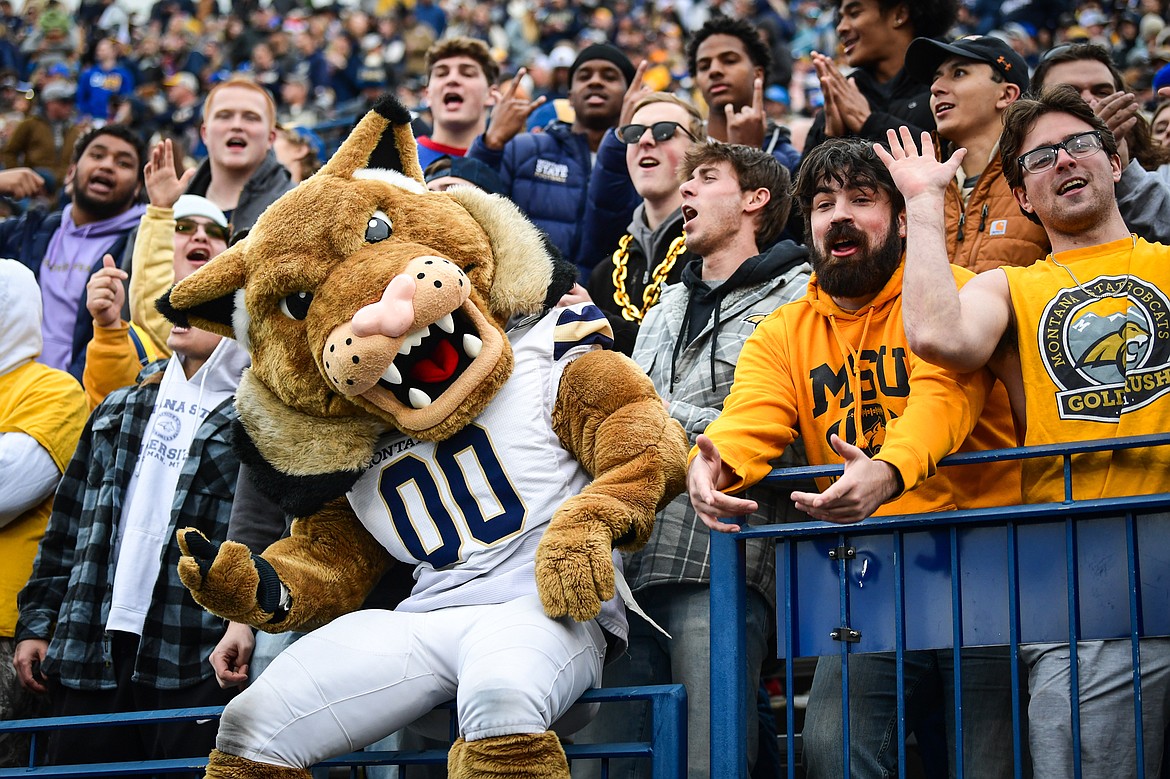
[{"x": 431, "y": 359}]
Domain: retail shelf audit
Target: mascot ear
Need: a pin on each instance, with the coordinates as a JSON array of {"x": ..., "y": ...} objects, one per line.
[
  {"x": 382, "y": 140},
  {"x": 206, "y": 298},
  {"x": 530, "y": 274}
]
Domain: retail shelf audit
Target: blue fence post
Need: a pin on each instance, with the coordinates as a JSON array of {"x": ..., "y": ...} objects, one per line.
[{"x": 728, "y": 646}]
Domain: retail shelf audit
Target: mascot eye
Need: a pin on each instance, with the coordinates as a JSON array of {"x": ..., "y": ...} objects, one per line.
[
  {"x": 296, "y": 305},
  {"x": 378, "y": 228}
]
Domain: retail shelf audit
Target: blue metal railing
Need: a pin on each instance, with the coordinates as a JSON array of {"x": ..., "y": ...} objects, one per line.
[
  {"x": 979, "y": 577},
  {"x": 667, "y": 748}
]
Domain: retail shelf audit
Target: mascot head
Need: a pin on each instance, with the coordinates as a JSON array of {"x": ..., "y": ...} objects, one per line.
[{"x": 362, "y": 294}]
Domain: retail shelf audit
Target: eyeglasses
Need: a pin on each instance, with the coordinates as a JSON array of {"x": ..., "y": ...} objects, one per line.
[
  {"x": 1044, "y": 157},
  {"x": 214, "y": 231},
  {"x": 661, "y": 132}
]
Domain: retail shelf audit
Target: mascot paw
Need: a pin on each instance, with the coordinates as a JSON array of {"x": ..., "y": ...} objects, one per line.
[
  {"x": 228, "y": 580},
  {"x": 574, "y": 569}
]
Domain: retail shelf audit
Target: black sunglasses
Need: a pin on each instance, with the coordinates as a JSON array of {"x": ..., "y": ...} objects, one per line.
[
  {"x": 214, "y": 231},
  {"x": 661, "y": 132}
]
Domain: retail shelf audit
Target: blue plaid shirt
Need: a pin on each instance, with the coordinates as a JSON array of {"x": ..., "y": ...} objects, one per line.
[{"x": 67, "y": 598}]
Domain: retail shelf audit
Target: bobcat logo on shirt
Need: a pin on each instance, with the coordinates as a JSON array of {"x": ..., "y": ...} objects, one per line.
[
  {"x": 1106, "y": 346},
  {"x": 552, "y": 171}
]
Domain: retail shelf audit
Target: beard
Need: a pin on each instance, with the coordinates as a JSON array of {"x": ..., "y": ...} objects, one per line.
[
  {"x": 101, "y": 209},
  {"x": 863, "y": 274}
]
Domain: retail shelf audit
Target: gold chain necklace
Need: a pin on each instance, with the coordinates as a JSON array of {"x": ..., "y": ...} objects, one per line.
[{"x": 621, "y": 259}]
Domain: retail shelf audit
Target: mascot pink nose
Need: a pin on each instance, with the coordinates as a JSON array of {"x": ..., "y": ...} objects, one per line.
[
  {"x": 428, "y": 288},
  {"x": 391, "y": 316}
]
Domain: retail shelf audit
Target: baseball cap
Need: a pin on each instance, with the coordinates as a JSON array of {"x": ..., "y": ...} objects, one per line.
[
  {"x": 1091, "y": 17},
  {"x": 184, "y": 78},
  {"x": 478, "y": 173},
  {"x": 58, "y": 90},
  {"x": 195, "y": 205},
  {"x": 925, "y": 55},
  {"x": 1162, "y": 78}
]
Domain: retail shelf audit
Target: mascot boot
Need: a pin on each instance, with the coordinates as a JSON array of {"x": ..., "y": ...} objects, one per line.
[
  {"x": 522, "y": 756},
  {"x": 221, "y": 765}
]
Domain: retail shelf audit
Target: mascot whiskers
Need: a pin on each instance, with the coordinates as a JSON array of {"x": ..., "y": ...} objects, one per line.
[{"x": 389, "y": 410}]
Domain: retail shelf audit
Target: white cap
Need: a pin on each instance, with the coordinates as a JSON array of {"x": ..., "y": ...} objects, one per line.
[{"x": 194, "y": 205}]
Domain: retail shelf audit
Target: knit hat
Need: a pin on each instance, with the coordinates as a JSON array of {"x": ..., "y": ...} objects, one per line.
[
  {"x": 194, "y": 205},
  {"x": 925, "y": 55},
  {"x": 604, "y": 51}
]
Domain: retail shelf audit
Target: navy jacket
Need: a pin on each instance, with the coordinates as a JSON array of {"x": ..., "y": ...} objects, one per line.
[{"x": 546, "y": 174}]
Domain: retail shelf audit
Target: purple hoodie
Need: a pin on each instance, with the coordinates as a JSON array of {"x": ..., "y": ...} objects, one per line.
[{"x": 72, "y": 253}]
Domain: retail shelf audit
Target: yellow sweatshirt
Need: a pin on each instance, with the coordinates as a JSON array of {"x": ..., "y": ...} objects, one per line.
[
  {"x": 113, "y": 359},
  {"x": 813, "y": 369},
  {"x": 152, "y": 273},
  {"x": 1094, "y": 339}
]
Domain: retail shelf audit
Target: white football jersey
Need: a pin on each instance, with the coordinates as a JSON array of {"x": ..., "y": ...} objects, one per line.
[{"x": 470, "y": 511}]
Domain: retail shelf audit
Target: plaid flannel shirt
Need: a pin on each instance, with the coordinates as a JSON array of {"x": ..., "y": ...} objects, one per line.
[
  {"x": 67, "y": 598},
  {"x": 678, "y": 551}
]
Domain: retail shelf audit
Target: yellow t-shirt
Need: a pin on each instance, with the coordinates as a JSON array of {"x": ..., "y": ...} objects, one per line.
[
  {"x": 1093, "y": 326},
  {"x": 49, "y": 406}
]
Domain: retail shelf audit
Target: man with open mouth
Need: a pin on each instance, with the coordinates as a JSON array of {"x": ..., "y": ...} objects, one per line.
[
  {"x": 460, "y": 76},
  {"x": 65, "y": 248},
  {"x": 972, "y": 82},
  {"x": 878, "y": 94}
]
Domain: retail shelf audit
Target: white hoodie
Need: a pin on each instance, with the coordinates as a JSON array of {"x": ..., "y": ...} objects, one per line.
[{"x": 145, "y": 527}]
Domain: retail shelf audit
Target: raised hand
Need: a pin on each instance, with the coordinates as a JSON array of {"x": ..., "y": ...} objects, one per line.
[
  {"x": 831, "y": 89},
  {"x": 703, "y": 479},
  {"x": 638, "y": 90},
  {"x": 510, "y": 115},
  {"x": 1119, "y": 112},
  {"x": 105, "y": 294},
  {"x": 163, "y": 185},
  {"x": 748, "y": 124},
  {"x": 917, "y": 173},
  {"x": 865, "y": 485},
  {"x": 20, "y": 183}
]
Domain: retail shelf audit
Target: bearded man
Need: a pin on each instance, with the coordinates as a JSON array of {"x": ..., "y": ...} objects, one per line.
[
  {"x": 835, "y": 369},
  {"x": 65, "y": 248}
]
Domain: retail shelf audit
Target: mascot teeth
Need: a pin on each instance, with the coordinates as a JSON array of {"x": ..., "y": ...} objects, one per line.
[
  {"x": 446, "y": 324},
  {"x": 472, "y": 346},
  {"x": 413, "y": 339},
  {"x": 419, "y": 399},
  {"x": 392, "y": 375}
]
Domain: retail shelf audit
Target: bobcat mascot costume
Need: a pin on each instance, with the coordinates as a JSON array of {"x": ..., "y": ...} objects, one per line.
[{"x": 391, "y": 412}]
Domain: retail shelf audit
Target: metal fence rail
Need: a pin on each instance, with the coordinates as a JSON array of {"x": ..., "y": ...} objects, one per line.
[
  {"x": 1055, "y": 572},
  {"x": 667, "y": 749}
]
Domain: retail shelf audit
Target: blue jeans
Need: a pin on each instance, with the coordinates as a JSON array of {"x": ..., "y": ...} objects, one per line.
[
  {"x": 684, "y": 611},
  {"x": 873, "y": 711}
]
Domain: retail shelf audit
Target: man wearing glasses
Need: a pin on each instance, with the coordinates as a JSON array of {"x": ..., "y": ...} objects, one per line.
[
  {"x": 1143, "y": 191},
  {"x": 1085, "y": 325},
  {"x": 972, "y": 82}
]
